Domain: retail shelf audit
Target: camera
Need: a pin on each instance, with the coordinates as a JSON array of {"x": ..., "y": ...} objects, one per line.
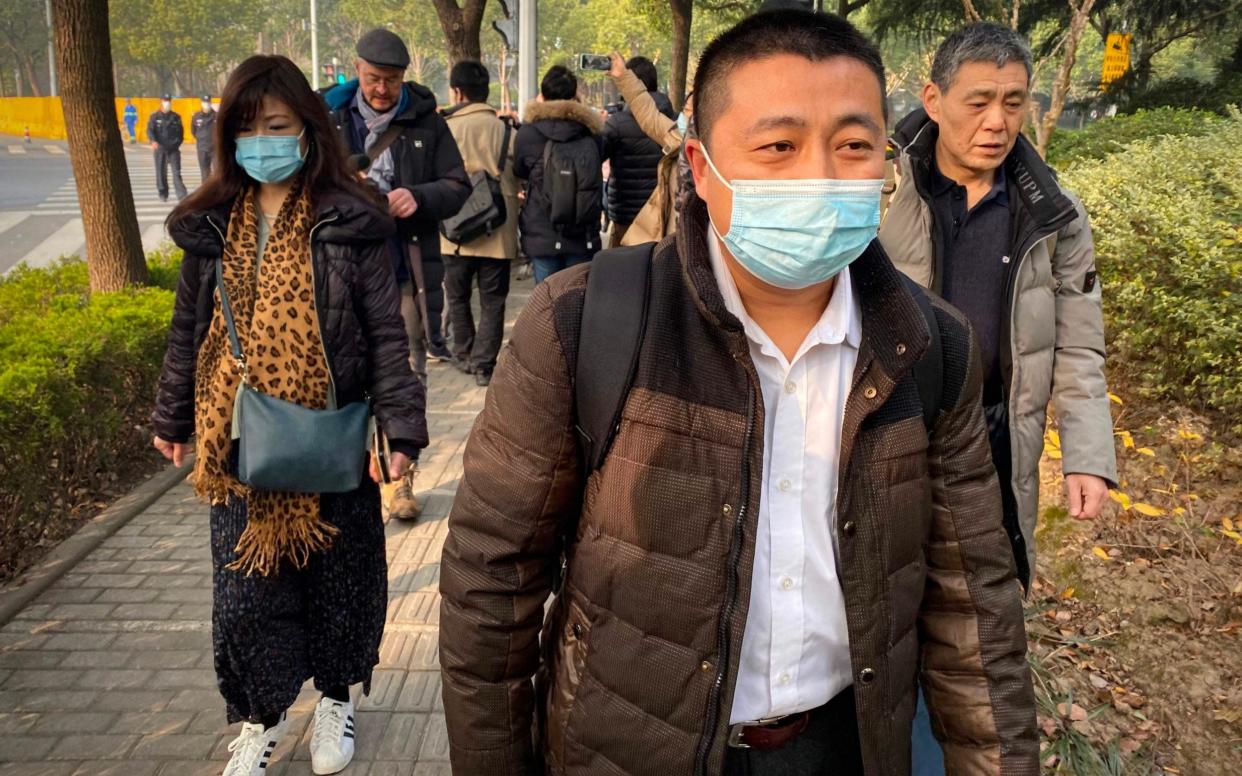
[{"x": 601, "y": 62}]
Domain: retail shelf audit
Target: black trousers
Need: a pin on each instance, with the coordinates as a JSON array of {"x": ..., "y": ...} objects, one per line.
[
  {"x": 324, "y": 621},
  {"x": 433, "y": 276},
  {"x": 997, "y": 417},
  {"x": 828, "y": 747},
  {"x": 165, "y": 158},
  {"x": 204, "y": 160},
  {"x": 477, "y": 348}
]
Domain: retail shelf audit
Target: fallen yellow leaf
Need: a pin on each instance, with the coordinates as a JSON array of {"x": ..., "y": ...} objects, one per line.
[
  {"x": 1237, "y": 537},
  {"x": 1147, "y": 451},
  {"x": 1100, "y": 553},
  {"x": 1114, "y": 398},
  {"x": 1149, "y": 510},
  {"x": 1054, "y": 438},
  {"x": 1120, "y": 498},
  {"x": 1127, "y": 441},
  {"x": 1227, "y": 523},
  {"x": 1067, "y": 593},
  {"x": 1179, "y": 511},
  {"x": 1188, "y": 435}
]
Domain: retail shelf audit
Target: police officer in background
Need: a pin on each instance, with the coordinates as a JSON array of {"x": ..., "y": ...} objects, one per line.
[
  {"x": 166, "y": 134},
  {"x": 203, "y": 125}
]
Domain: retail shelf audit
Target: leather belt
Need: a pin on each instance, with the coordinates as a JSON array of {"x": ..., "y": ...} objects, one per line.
[{"x": 770, "y": 733}]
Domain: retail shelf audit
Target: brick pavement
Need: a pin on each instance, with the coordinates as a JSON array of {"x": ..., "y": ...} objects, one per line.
[{"x": 109, "y": 671}]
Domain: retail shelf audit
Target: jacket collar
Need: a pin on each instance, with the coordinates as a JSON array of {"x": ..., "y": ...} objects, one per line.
[
  {"x": 894, "y": 330},
  {"x": 1039, "y": 195},
  {"x": 564, "y": 110},
  {"x": 468, "y": 109},
  {"x": 344, "y": 218}
]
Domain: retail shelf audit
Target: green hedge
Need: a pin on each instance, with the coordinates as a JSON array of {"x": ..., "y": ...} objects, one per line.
[
  {"x": 1108, "y": 136},
  {"x": 1167, "y": 218},
  {"x": 77, "y": 379}
]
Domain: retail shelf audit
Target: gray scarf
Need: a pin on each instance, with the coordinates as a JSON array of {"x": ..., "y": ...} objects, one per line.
[{"x": 382, "y": 170}]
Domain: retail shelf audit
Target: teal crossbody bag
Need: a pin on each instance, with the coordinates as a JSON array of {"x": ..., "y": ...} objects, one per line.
[{"x": 284, "y": 446}]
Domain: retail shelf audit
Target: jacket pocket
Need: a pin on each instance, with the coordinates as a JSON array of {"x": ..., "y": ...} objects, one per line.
[
  {"x": 569, "y": 664},
  {"x": 413, "y": 149}
]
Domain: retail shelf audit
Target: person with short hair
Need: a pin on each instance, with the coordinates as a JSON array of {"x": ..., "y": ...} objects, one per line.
[
  {"x": 560, "y": 218},
  {"x": 634, "y": 158},
  {"x": 980, "y": 219},
  {"x": 166, "y": 134},
  {"x": 203, "y": 127},
  {"x": 130, "y": 115},
  {"x": 796, "y": 521},
  {"x": 415, "y": 164},
  {"x": 486, "y": 141}
]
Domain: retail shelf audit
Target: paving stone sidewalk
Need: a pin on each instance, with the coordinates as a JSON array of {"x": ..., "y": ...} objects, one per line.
[{"x": 109, "y": 671}]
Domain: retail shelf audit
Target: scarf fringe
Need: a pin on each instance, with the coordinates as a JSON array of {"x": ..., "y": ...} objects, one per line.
[{"x": 264, "y": 544}]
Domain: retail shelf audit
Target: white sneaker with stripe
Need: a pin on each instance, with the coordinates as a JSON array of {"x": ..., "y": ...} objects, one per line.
[
  {"x": 253, "y": 748},
  {"x": 332, "y": 743}
]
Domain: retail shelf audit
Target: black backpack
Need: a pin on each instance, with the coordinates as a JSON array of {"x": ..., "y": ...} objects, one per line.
[
  {"x": 484, "y": 211},
  {"x": 571, "y": 187},
  {"x": 614, "y": 320}
]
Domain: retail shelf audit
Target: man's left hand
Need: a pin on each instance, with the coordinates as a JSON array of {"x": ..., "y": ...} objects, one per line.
[
  {"x": 401, "y": 203},
  {"x": 1086, "y": 495}
]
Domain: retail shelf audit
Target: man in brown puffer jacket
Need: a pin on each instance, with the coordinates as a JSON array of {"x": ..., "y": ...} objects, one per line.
[{"x": 779, "y": 546}]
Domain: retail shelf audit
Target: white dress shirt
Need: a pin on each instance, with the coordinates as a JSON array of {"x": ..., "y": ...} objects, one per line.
[{"x": 795, "y": 650}]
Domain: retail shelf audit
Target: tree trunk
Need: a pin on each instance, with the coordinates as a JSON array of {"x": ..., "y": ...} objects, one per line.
[
  {"x": 84, "y": 64},
  {"x": 1080, "y": 10},
  {"x": 32, "y": 76},
  {"x": 683, "y": 15},
  {"x": 461, "y": 28}
]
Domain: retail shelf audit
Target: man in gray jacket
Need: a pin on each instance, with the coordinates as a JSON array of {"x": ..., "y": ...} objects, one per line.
[{"x": 979, "y": 218}]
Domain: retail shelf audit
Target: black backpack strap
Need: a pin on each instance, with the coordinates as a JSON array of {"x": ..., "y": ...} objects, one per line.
[
  {"x": 929, "y": 371},
  {"x": 504, "y": 148},
  {"x": 614, "y": 319}
]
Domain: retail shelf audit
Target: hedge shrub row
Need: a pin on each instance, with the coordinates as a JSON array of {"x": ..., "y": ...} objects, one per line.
[
  {"x": 77, "y": 379},
  {"x": 1167, "y": 218}
]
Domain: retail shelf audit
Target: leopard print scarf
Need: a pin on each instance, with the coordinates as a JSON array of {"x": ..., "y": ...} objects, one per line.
[{"x": 274, "y": 311}]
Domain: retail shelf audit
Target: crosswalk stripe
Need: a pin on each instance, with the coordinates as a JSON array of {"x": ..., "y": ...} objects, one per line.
[
  {"x": 52, "y": 149},
  {"x": 10, "y": 220},
  {"x": 16, "y": 149},
  {"x": 153, "y": 236},
  {"x": 66, "y": 240}
]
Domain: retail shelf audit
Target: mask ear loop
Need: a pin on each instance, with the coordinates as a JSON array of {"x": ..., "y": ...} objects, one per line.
[{"x": 712, "y": 165}]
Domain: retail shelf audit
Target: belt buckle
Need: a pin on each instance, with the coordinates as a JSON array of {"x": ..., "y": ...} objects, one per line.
[{"x": 736, "y": 732}]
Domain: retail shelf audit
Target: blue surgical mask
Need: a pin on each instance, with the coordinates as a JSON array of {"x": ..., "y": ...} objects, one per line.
[
  {"x": 270, "y": 158},
  {"x": 683, "y": 123},
  {"x": 795, "y": 233}
]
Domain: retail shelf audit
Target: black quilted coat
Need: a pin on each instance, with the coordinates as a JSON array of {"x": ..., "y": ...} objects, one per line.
[
  {"x": 635, "y": 159},
  {"x": 359, "y": 318}
]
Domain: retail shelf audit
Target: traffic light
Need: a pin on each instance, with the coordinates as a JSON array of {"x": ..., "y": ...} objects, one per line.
[{"x": 340, "y": 78}]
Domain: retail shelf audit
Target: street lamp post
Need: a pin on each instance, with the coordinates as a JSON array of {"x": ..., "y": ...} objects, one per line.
[
  {"x": 51, "y": 54},
  {"x": 528, "y": 50},
  {"x": 314, "y": 25}
]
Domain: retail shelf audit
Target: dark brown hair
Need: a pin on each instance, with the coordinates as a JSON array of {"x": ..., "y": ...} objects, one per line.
[{"x": 271, "y": 76}]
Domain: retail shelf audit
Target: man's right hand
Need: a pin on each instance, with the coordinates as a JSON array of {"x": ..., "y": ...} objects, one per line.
[
  {"x": 173, "y": 451},
  {"x": 618, "y": 65},
  {"x": 155, "y": 146},
  {"x": 401, "y": 203}
]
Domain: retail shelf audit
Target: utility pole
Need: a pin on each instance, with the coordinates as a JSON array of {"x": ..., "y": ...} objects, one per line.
[
  {"x": 314, "y": 24},
  {"x": 51, "y": 53},
  {"x": 528, "y": 50}
]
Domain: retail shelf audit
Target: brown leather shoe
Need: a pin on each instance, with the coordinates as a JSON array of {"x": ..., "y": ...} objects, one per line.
[{"x": 399, "y": 500}]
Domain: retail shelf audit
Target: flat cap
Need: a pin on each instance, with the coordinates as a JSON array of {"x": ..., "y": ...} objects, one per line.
[
  {"x": 383, "y": 48},
  {"x": 166, "y": 98},
  {"x": 206, "y": 98}
]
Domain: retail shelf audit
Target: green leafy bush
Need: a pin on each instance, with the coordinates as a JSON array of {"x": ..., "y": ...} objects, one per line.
[
  {"x": 1167, "y": 219},
  {"x": 1108, "y": 136},
  {"x": 77, "y": 378}
]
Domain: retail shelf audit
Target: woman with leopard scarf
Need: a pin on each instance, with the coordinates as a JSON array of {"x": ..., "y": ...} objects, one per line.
[{"x": 300, "y": 579}]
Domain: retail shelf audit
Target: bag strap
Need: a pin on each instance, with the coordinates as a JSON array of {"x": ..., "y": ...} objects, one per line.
[
  {"x": 614, "y": 319},
  {"x": 227, "y": 309},
  {"x": 385, "y": 140},
  {"x": 929, "y": 371},
  {"x": 504, "y": 149}
]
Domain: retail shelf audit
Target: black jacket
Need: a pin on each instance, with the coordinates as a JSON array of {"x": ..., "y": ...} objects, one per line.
[
  {"x": 165, "y": 129},
  {"x": 203, "y": 127},
  {"x": 359, "y": 318},
  {"x": 634, "y": 158},
  {"x": 425, "y": 156},
  {"x": 557, "y": 121}
]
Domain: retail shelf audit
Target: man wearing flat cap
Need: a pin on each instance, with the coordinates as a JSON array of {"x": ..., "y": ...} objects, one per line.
[{"x": 415, "y": 163}]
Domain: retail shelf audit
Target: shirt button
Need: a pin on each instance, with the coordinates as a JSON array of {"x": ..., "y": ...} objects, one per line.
[
  {"x": 869, "y": 392},
  {"x": 784, "y": 679},
  {"x": 786, "y": 583},
  {"x": 705, "y": 666},
  {"x": 785, "y": 485},
  {"x": 791, "y": 387}
]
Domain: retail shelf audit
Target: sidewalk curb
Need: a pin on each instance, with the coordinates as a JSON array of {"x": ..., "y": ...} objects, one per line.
[{"x": 17, "y": 594}]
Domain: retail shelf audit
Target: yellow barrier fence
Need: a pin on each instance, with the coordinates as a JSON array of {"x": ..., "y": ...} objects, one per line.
[{"x": 45, "y": 118}]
